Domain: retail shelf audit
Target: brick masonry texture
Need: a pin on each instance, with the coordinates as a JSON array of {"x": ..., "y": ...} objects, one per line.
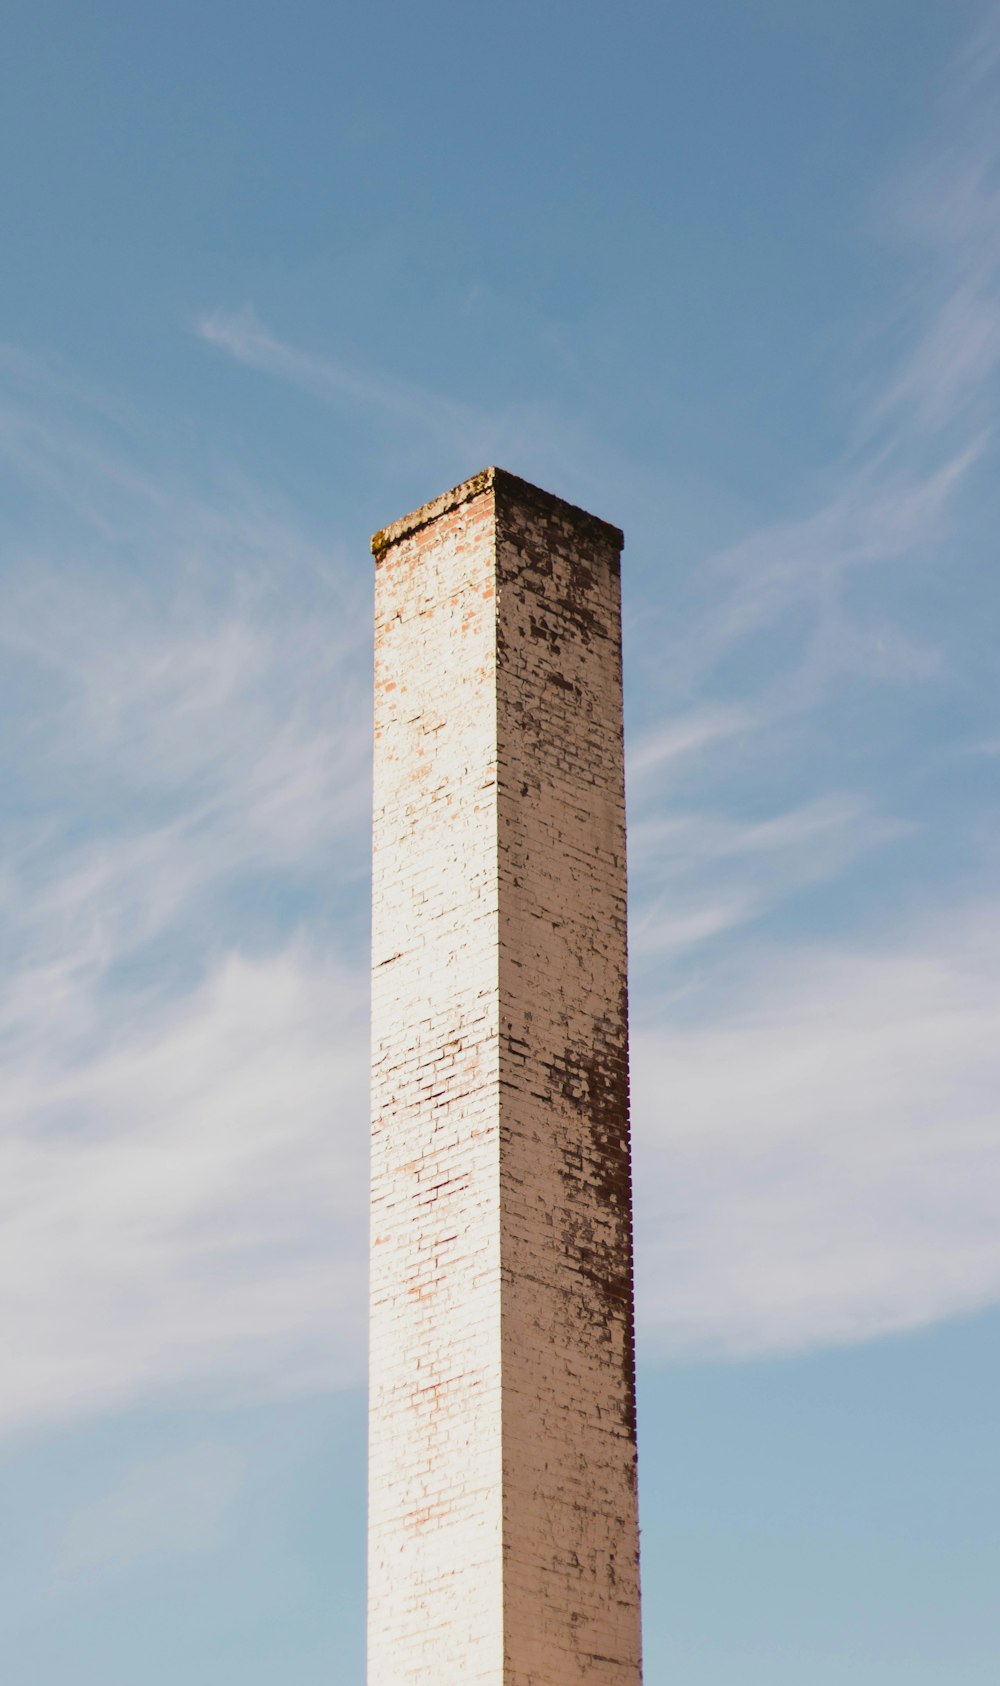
[{"x": 503, "y": 1535}]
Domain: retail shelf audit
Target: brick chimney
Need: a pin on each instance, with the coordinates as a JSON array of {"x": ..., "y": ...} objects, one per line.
[{"x": 503, "y": 1534}]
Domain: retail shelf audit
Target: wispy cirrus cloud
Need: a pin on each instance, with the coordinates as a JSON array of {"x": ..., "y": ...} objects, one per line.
[
  {"x": 242, "y": 336},
  {"x": 806, "y": 624},
  {"x": 183, "y": 1194},
  {"x": 697, "y": 876},
  {"x": 176, "y": 755},
  {"x": 945, "y": 206},
  {"x": 657, "y": 748},
  {"x": 820, "y": 1161},
  {"x": 817, "y": 1121},
  {"x": 182, "y": 1133},
  {"x": 879, "y": 516},
  {"x": 423, "y": 424},
  {"x": 921, "y": 428}
]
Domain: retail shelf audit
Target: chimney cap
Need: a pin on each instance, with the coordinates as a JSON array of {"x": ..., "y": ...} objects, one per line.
[{"x": 509, "y": 487}]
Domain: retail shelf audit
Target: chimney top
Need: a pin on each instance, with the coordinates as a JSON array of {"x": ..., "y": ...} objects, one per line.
[{"x": 505, "y": 485}]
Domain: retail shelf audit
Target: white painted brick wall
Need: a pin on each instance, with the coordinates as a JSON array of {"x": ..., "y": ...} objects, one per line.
[{"x": 503, "y": 1542}]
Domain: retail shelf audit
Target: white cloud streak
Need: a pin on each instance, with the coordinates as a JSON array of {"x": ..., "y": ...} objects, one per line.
[
  {"x": 697, "y": 876},
  {"x": 182, "y": 1210},
  {"x": 653, "y": 753},
  {"x": 923, "y": 423},
  {"x": 182, "y": 1131},
  {"x": 242, "y": 336},
  {"x": 946, "y": 204},
  {"x": 820, "y": 1163},
  {"x": 818, "y": 1131}
]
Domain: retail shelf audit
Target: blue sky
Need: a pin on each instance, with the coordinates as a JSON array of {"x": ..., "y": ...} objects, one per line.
[{"x": 728, "y": 275}]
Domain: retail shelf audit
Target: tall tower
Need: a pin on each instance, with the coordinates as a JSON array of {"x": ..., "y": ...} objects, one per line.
[{"x": 503, "y": 1535}]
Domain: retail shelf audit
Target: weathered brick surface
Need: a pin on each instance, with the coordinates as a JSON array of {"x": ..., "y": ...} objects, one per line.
[{"x": 503, "y": 1541}]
